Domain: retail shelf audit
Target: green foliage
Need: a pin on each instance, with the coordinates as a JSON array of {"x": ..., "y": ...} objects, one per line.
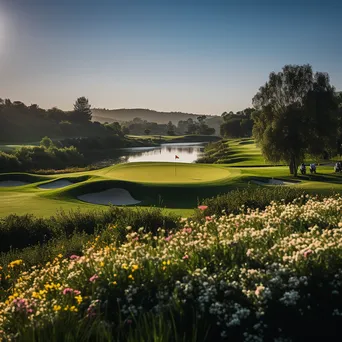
[
  {"x": 215, "y": 153},
  {"x": 22, "y": 231},
  {"x": 9, "y": 162},
  {"x": 296, "y": 114},
  {"x": 237, "y": 125},
  {"x": 40, "y": 157},
  {"x": 251, "y": 197},
  {"x": 82, "y": 111},
  {"x": 46, "y": 142}
]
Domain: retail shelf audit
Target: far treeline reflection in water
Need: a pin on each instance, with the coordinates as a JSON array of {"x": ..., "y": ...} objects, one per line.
[{"x": 186, "y": 153}]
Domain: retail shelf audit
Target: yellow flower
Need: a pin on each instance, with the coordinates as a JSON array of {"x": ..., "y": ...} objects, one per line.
[
  {"x": 15, "y": 263},
  {"x": 164, "y": 268},
  {"x": 168, "y": 262},
  {"x": 115, "y": 275},
  {"x": 73, "y": 308},
  {"x": 101, "y": 263},
  {"x": 124, "y": 266},
  {"x": 36, "y": 295},
  {"x": 79, "y": 299},
  {"x": 57, "y": 308},
  {"x": 135, "y": 267},
  {"x": 131, "y": 277},
  {"x": 60, "y": 255},
  {"x": 114, "y": 283}
]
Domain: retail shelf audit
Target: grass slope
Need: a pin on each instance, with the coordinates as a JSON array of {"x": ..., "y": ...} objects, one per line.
[{"x": 177, "y": 186}]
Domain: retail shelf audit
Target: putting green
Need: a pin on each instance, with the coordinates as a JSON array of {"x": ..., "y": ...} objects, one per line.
[
  {"x": 178, "y": 187},
  {"x": 166, "y": 173}
]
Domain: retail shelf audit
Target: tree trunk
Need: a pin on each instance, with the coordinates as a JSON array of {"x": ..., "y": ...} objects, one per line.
[{"x": 293, "y": 167}]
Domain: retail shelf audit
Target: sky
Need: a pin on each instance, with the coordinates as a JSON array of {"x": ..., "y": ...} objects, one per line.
[{"x": 202, "y": 57}]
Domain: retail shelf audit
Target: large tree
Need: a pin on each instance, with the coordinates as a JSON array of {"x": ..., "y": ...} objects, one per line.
[
  {"x": 295, "y": 114},
  {"x": 82, "y": 111}
]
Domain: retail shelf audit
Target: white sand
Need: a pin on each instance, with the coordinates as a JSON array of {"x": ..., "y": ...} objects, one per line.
[
  {"x": 114, "y": 196},
  {"x": 55, "y": 184},
  {"x": 9, "y": 183},
  {"x": 272, "y": 181}
]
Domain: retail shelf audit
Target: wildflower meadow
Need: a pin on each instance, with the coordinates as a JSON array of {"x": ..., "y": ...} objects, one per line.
[{"x": 260, "y": 275}]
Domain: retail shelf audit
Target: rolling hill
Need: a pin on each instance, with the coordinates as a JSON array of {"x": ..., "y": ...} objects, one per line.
[{"x": 110, "y": 115}]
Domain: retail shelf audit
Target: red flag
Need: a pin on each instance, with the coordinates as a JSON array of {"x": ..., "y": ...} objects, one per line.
[{"x": 176, "y": 157}]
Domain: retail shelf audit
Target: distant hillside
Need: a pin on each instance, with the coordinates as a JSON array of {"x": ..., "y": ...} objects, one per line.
[{"x": 110, "y": 115}]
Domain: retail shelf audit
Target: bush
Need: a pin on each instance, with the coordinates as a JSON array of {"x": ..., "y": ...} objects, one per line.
[
  {"x": 27, "y": 230},
  {"x": 9, "y": 162},
  {"x": 251, "y": 197},
  {"x": 215, "y": 152}
]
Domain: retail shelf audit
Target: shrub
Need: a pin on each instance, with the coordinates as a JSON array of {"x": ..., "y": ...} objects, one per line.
[
  {"x": 27, "y": 230},
  {"x": 9, "y": 162},
  {"x": 252, "y": 197}
]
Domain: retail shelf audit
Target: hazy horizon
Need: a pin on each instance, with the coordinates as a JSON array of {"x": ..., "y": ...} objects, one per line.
[{"x": 202, "y": 57}]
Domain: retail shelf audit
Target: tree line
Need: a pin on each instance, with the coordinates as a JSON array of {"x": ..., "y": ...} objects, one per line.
[
  {"x": 138, "y": 126},
  {"x": 19, "y": 122}
]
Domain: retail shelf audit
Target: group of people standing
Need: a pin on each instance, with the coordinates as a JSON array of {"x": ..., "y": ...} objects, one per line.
[
  {"x": 337, "y": 168},
  {"x": 303, "y": 168}
]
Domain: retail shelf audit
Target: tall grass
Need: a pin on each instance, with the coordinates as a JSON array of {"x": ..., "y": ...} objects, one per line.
[{"x": 23, "y": 231}]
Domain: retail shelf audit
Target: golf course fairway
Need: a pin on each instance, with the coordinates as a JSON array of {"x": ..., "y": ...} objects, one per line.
[{"x": 176, "y": 187}]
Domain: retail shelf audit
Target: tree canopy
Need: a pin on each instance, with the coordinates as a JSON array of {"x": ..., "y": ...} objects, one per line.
[
  {"x": 82, "y": 111},
  {"x": 296, "y": 113}
]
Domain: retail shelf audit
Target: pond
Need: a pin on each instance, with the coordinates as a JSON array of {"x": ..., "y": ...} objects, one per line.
[{"x": 186, "y": 153}]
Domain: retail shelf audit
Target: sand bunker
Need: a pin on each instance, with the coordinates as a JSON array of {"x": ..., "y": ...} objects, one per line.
[
  {"x": 272, "y": 181},
  {"x": 55, "y": 184},
  {"x": 10, "y": 183},
  {"x": 114, "y": 196}
]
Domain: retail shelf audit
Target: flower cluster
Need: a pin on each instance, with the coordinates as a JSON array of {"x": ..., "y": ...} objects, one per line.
[{"x": 235, "y": 270}]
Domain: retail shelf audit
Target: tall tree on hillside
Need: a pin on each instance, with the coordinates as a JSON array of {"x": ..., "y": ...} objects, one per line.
[
  {"x": 170, "y": 128},
  {"x": 295, "y": 114},
  {"x": 82, "y": 112}
]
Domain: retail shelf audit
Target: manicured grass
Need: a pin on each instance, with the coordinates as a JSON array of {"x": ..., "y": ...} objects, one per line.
[
  {"x": 152, "y": 183},
  {"x": 177, "y": 187}
]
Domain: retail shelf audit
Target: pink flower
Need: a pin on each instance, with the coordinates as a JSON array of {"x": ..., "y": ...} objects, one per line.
[
  {"x": 307, "y": 253},
  {"x": 74, "y": 257},
  {"x": 202, "y": 207},
  {"x": 93, "y": 278},
  {"x": 68, "y": 291},
  {"x": 185, "y": 257},
  {"x": 187, "y": 230},
  {"x": 168, "y": 238},
  {"x": 22, "y": 306},
  {"x": 91, "y": 311},
  {"x": 208, "y": 218}
]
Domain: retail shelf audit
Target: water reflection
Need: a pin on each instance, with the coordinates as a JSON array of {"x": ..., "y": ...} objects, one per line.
[{"x": 187, "y": 153}]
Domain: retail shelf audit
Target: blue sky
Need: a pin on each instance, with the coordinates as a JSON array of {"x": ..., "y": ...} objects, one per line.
[{"x": 192, "y": 56}]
